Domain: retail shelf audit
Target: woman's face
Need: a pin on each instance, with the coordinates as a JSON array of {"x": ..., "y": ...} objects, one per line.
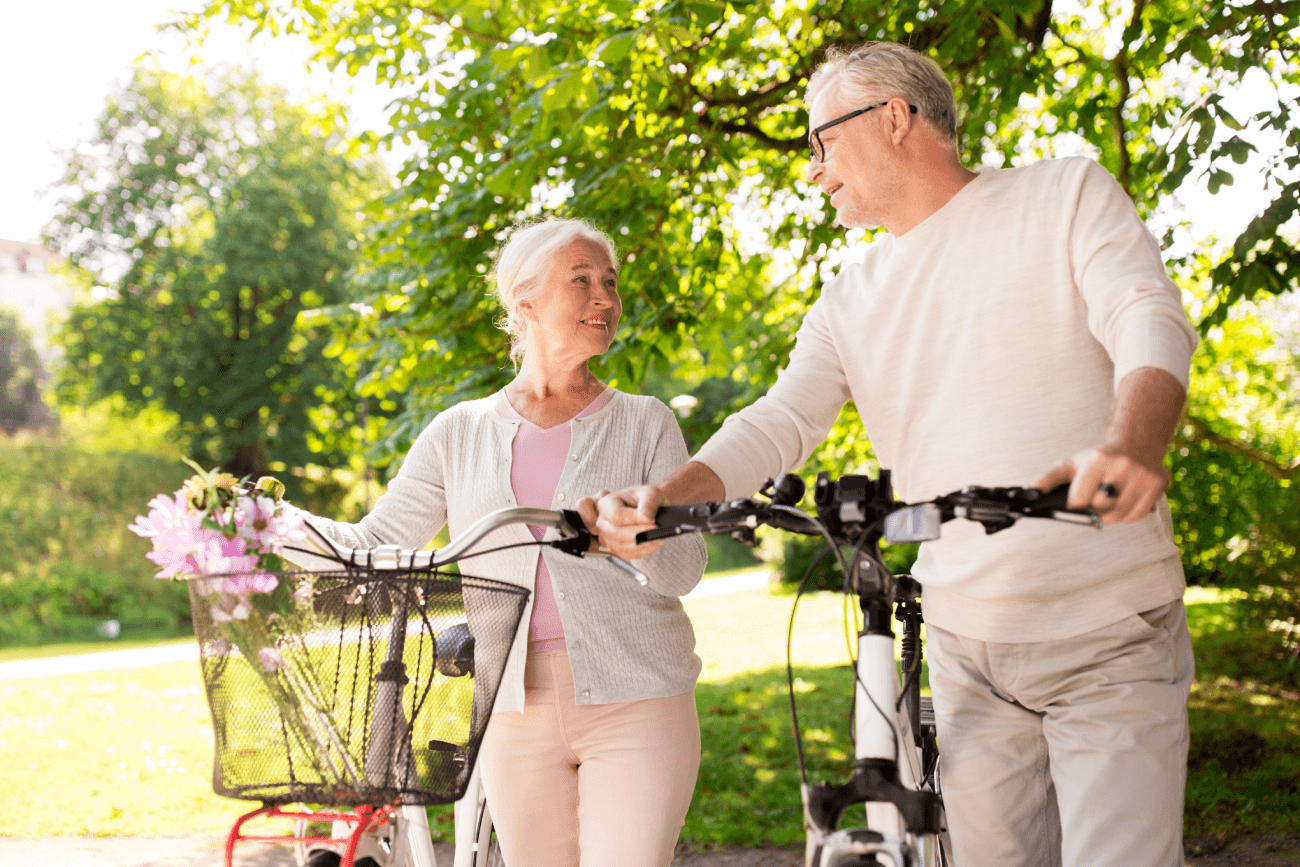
[{"x": 578, "y": 308}]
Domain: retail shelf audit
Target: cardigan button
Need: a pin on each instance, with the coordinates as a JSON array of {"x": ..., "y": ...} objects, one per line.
[
  {"x": 559, "y": 595},
  {"x": 560, "y": 497}
]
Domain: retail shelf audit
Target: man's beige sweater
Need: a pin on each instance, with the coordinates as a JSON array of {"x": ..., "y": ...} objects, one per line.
[{"x": 983, "y": 347}]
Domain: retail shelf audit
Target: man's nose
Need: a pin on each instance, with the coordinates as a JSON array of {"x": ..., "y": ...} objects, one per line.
[{"x": 815, "y": 168}]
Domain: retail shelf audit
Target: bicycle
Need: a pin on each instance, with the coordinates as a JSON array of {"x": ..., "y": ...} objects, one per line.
[
  {"x": 407, "y": 630},
  {"x": 897, "y": 769}
]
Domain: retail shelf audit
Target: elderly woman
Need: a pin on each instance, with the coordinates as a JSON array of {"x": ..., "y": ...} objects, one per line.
[{"x": 591, "y": 754}]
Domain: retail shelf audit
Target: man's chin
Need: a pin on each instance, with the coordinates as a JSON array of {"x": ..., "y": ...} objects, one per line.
[{"x": 856, "y": 221}]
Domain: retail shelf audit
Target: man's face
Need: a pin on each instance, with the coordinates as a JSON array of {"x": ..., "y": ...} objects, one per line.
[{"x": 857, "y": 170}]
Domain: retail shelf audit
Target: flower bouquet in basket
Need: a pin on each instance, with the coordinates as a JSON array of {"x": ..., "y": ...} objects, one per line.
[{"x": 226, "y": 538}]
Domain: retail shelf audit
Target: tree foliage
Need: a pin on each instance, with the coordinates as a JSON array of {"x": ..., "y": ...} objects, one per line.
[
  {"x": 219, "y": 216},
  {"x": 678, "y": 126},
  {"x": 21, "y": 375}
]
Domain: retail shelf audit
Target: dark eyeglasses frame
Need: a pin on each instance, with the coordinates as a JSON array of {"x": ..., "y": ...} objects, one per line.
[{"x": 815, "y": 138}]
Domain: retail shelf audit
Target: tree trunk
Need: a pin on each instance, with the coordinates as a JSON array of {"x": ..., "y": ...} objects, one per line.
[{"x": 248, "y": 460}]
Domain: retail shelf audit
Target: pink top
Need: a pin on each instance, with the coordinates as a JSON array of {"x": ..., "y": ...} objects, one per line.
[{"x": 538, "y": 462}]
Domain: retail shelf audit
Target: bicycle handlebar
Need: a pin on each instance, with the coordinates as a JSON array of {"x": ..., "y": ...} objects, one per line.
[
  {"x": 861, "y": 504},
  {"x": 574, "y": 539}
]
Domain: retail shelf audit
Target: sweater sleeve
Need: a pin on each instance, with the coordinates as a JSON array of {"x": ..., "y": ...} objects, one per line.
[
  {"x": 778, "y": 432},
  {"x": 1134, "y": 310},
  {"x": 677, "y": 567},
  {"x": 409, "y": 514}
]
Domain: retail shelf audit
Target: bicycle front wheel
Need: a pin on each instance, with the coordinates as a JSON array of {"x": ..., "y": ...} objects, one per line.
[{"x": 488, "y": 849}]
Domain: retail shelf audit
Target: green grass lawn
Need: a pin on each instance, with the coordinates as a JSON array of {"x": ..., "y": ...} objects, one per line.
[
  {"x": 1244, "y": 762},
  {"x": 130, "y": 752}
]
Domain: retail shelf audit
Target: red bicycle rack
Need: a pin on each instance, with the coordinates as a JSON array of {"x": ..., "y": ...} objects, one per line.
[{"x": 363, "y": 819}]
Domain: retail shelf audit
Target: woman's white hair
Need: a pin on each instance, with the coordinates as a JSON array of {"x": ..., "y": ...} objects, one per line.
[
  {"x": 883, "y": 70},
  {"x": 522, "y": 264}
]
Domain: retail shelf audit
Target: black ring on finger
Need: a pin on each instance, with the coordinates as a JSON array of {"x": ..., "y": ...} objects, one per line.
[{"x": 1109, "y": 490}]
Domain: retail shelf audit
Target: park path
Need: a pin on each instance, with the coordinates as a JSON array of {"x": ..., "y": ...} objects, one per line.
[
  {"x": 143, "y": 657},
  {"x": 206, "y": 850}
]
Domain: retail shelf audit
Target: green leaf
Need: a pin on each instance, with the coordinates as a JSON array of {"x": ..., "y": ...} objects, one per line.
[{"x": 613, "y": 50}]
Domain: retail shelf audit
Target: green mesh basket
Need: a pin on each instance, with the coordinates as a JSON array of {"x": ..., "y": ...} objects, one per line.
[{"x": 352, "y": 687}]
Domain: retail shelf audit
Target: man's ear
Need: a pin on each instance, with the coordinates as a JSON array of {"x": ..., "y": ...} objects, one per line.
[{"x": 902, "y": 119}]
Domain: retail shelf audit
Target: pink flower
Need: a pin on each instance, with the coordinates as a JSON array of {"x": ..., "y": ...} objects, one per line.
[
  {"x": 219, "y": 555},
  {"x": 217, "y": 647},
  {"x": 245, "y": 583},
  {"x": 165, "y": 514},
  {"x": 177, "y": 534},
  {"x": 266, "y": 524},
  {"x": 270, "y": 659},
  {"x": 228, "y": 607}
]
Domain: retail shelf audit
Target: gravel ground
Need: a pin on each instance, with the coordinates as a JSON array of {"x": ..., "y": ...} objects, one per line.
[{"x": 206, "y": 850}]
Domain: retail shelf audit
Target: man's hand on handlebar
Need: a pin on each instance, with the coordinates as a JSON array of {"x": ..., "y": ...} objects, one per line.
[
  {"x": 618, "y": 516},
  {"x": 1114, "y": 485}
]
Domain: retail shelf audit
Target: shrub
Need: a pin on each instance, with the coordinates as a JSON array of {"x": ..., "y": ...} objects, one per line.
[{"x": 72, "y": 563}]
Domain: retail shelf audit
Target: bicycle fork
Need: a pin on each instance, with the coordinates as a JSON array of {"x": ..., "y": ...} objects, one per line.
[{"x": 887, "y": 773}]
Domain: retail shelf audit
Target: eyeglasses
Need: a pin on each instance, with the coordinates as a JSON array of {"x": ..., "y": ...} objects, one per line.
[{"x": 815, "y": 139}]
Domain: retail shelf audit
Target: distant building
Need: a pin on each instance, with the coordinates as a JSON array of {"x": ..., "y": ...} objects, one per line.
[{"x": 28, "y": 283}]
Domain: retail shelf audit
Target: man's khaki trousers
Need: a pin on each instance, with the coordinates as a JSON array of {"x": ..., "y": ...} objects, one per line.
[{"x": 1070, "y": 752}]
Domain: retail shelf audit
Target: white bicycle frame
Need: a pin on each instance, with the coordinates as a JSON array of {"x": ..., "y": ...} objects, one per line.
[
  {"x": 389, "y": 756},
  {"x": 883, "y": 735},
  {"x": 886, "y": 736}
]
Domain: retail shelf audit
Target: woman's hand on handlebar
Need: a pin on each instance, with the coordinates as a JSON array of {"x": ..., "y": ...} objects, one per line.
[
  {"x": 623, "y": 514},
  {"x": 618, "y": 516}
]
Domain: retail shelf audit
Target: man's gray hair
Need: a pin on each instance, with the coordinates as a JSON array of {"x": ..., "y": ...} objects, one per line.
[
  {"x": 522, "y": 265},
  {"x": 882, "y": 70}
]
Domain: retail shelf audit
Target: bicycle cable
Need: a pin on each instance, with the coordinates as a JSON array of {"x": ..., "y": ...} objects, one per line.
[
  {"x": 789, "y": 635},
  {"x": 857, "y": 676},
  {"x": 789, "y": 662}
]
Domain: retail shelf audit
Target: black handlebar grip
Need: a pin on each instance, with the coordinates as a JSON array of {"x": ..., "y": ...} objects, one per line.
[
  {"x": 1054, "y": 499},
  {"x": 674, "y": 520},
  {"x": 658, "y": 533}
]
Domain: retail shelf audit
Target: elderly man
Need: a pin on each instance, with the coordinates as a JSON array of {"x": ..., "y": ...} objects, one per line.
[{"x": 1013, "y": 327}]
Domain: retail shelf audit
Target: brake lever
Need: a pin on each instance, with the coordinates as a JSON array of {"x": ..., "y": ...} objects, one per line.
[
  {"x": 579, "y": 544},
  {"x": 1052, "y": 504},
  {"x": 997, "y": 516}
]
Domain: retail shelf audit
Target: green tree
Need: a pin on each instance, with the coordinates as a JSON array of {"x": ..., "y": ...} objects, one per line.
[
  {"x": 677, "y": 125},
  {"x": 219, "y": 217},
  {"x": 21, "y": 375}
]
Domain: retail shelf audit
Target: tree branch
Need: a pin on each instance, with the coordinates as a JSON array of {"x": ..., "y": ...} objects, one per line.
[
  {"x": 444, "y": 19},
  {"x": 757, "y": 96},
  {"x": 785, "y": 145},
  {"x": 1203, "y": 433},
  {"x": 1120, "y": 67}
]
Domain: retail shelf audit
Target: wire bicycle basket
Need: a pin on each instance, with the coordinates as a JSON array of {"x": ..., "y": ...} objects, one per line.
[{"x": 352, "y": 687}]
